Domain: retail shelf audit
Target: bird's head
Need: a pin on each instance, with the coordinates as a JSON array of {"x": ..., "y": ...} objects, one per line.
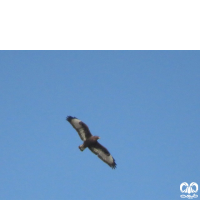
[{"x": 97, "y": 137}]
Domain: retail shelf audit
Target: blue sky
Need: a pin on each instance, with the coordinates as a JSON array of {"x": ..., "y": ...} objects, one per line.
[{"x": 144, "y": 105}]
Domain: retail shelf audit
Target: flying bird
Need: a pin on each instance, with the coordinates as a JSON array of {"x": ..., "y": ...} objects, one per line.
[{"x": 91, "y": 142}]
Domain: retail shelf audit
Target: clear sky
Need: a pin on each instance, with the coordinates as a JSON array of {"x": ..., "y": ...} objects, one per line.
[{"x": 145, "y": 106}]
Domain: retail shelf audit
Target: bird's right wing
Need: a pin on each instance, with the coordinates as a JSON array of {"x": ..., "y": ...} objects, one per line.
[{"x": 80, "y": 127}]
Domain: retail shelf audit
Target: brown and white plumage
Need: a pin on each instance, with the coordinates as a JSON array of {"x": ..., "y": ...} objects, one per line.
[{"x": 91, "y": 142}]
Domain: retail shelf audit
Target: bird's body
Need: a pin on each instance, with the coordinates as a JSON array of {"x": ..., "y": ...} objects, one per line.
[{"x": 91, "y": 142}]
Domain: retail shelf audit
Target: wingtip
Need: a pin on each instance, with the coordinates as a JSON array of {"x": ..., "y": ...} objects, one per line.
[
  {"x": 114, "y": 165},
  {"x": 69, "y": 118}
]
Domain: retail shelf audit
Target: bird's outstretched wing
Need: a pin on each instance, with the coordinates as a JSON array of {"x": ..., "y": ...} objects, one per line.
[
  {"x": 103, "y": 154},
  {"x": 80, "y": 127}
]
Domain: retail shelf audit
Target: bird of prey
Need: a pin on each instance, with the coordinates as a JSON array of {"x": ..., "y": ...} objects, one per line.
[{"x": 91, "y": 142}]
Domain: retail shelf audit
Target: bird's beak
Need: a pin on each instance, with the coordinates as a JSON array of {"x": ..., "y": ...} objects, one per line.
[{"x": 98, "y": 137}]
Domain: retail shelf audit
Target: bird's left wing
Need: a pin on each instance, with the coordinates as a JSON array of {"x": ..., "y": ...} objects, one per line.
[{"x": 103, "y": 154}]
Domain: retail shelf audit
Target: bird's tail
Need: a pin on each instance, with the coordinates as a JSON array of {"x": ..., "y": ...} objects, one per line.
[{"x": 81, "y": 147}]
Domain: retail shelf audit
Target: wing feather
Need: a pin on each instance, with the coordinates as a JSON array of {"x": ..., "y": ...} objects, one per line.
[
  {"x": 80, "y": 127},
  {"x": 103, "y": 154}
]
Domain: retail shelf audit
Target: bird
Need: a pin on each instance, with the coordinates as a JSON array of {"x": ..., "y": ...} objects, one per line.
[{"x": 90, "y": 141}]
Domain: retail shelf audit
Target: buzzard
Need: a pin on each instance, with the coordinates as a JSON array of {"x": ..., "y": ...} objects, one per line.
[{"x": 91, "y": 142}]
